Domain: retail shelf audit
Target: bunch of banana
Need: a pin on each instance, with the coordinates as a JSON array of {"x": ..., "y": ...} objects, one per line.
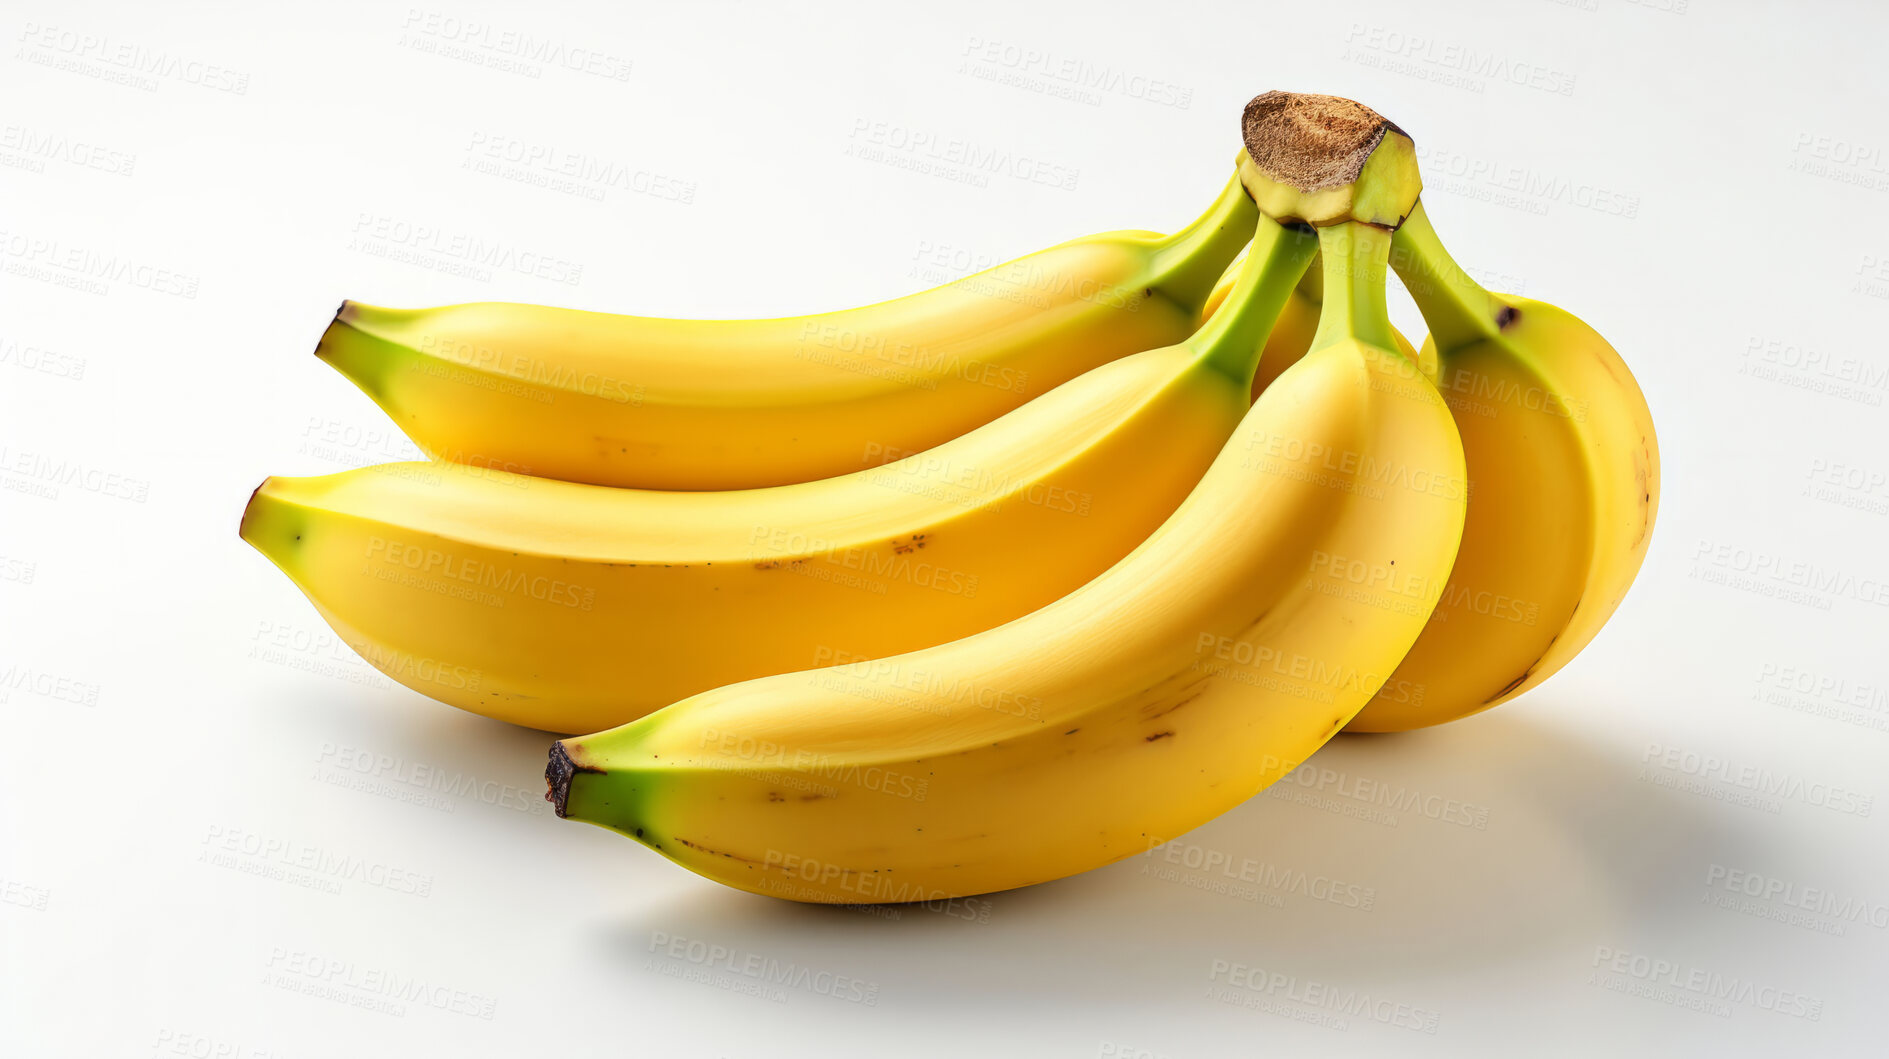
[
  {"x": 864, "y": 585},
  {"x": 1563, "y": 462},
  {"x": 575, "y": 607},
  {"x": 1208, "y": 663}
]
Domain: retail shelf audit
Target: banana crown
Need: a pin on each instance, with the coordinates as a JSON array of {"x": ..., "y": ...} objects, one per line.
[{"x": 1326, "y": 160}]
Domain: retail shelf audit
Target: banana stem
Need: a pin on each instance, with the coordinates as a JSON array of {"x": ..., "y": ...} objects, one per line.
[
  {"x": 1312, "y": 286},
  {"x": 1232, "y": 340},
  {"x": 1458, "y": 310},
  {"x": 1356, "y": 267},
  {"x": 1188, "y": 263}
]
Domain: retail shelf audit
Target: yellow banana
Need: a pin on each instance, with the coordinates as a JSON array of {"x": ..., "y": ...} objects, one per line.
[
  {"x": 734, "y": 404},
  {"x": 1206, "y": 664},
  {"x": 576, "y": 607},
  {"x": 1564, "y": 472}
]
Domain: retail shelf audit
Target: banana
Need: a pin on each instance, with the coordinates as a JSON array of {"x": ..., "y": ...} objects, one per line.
[
  {"x": 1564, "y": 469},
  {"x": 577, "y": 607},
  {"x": 735, "y": 404},
  {"x": 1212, "y": 660}
]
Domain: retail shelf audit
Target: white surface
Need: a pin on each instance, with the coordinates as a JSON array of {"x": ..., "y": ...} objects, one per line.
[{"x": 219, "y": 716}]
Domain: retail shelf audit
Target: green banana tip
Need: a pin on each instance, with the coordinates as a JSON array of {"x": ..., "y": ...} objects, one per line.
[
  {"x": 558, "y": 773},
  {"x": 343, "y": 321},
  {"x": 323, "y": 346}
]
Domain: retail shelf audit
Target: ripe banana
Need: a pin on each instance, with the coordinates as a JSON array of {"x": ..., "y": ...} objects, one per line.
[
  {"x": 1564, "y": 469},
  {"x": 578, "y": 607},
  {"x": 1206, "y": 664},
  {"x": 735, "y": 404}
]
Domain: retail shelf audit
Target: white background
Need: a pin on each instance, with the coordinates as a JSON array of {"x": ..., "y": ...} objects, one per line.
[{"x": 1706, "y": 186}]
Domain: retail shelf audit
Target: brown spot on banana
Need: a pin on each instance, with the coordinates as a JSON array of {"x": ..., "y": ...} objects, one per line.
[
  {"x": 1188, "y": 694},
  {"x": 699, "y": 848}
]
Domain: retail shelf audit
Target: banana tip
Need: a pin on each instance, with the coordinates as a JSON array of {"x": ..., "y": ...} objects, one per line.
[
  {"x": 344, "y": 318},
  {"x": 249, "y": 508},
  {"x": 558, "y": 773}
]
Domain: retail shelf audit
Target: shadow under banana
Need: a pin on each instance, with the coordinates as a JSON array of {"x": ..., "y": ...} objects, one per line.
[{"x": 1572, "y": 851}]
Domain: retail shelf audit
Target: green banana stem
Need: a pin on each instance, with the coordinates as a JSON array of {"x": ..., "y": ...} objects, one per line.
[
  {"x": 1232, "y": 340},
  {"x": 1458, "y": 310},
  {"x": 1356, "y": 267},
  {"x": 1188, "y": 263}
]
